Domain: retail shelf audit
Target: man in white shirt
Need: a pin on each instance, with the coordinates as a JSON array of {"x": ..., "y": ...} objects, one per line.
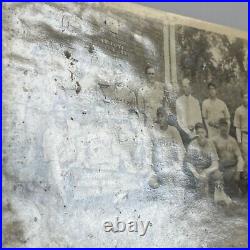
[
  {"x": 188, "y": 110},
  {"x": 213, "y": 109},
  {"x": 241, "y": 125},
  {"x": 150, "y": 97}
]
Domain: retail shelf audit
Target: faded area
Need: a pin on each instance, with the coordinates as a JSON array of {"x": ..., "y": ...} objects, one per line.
[{"x": 77, "y": 151}]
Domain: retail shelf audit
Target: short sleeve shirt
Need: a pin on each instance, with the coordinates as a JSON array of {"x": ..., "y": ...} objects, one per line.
[
  {"x": 150, "y": 105},
  {"x": 240, "y": 118},
  {"x": 213, "y": 110},
  {"x": 201, "y": 156},
  {"x": 166, "y": 146}
]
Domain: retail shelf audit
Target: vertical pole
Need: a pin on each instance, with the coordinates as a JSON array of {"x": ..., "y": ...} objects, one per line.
[
  {"x": 173, "y": 55},
  {"x": 166, "y": 53}
]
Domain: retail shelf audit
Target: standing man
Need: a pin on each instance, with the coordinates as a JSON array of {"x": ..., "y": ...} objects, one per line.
[
  {"x": 202, "y": 164},
  {"x": 213, "y": 109},
  {"x": 188, "y": 110},
  {"x": 167, "y": 152},
  {"x": 241, "y": 125},
  {"x": 150, "y": 97},
  {"x": 230, "y": 159}
]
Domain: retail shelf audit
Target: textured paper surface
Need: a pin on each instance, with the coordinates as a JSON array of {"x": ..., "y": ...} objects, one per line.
[{"x": 80, "y": 135}]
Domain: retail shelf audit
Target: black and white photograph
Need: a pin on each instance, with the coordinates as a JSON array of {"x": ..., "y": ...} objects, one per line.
[{"x": 123, "y": 126}]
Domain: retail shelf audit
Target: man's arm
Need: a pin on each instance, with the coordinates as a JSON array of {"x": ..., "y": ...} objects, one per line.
[
  {"x": 192, "y": 170},
  {"x": 238, "y": 135},
  {"x": 188, "y": 162},
  {"x": 181, "y": 149},
  {"x": 237, "y": 125},
  {"x": 227, "y": 114},
  {"x": 214, "y": 166},
  {"x": 240, "y": 164},
  {"x": 214, "y": 158},
  {"x": 140, "y": 102},
  {"x": 153, "y": 158},
  {"x": 179, "y": 117},
  {"x": 237, "y": 152},
  {"x": 204, "y": 113},
  {"x": 197, "y": 111}
]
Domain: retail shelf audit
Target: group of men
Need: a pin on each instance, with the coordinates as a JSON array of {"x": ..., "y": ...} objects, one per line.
[
  {"x": 218, "y": 156},
  {"x": 214, "y": 161}
]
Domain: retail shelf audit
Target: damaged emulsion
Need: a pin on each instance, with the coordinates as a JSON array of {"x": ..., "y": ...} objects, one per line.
[{"x": 68, "y": 55}]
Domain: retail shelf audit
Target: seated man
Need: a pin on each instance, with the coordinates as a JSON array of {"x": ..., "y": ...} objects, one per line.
[
  {"x": 202, "y": 165},
  {"x": 167, "y": 152},
  {"x": 230, "y": 160}
]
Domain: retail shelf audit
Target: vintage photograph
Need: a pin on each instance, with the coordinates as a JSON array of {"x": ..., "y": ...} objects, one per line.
[{"x": 123, "y": 126}]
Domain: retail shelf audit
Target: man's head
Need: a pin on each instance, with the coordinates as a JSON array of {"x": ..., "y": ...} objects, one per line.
[
  {"x": 150, "y": 72},
  {"x": 162, "y": 117},
  {"x": 245, "y": 99},
  {"x": 212, "y": 90},
  {"x": 224, "y": 127},
  {"x": 186, "y": 87},
  {"x": 201, "y": 133}
]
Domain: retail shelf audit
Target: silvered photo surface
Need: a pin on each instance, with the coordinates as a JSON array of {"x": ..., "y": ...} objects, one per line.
[{"x": 122, "y": 127}]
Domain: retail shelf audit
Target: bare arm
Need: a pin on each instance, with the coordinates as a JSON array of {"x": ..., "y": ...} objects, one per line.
[
  {"x": 240, "y": 161},
  {"x": 179, "y": 116},
  {"x": 240, "y": 164},
  {"x": 198, "y": 111},
  {"x": 238, "y": 135},
  {"x": 214, "y": 166},
  {"x": 193, "y": 171},
  {"x": 227, "y": 115},
  {"x": 237, "y": 125},
  {"x": 181, "y": 149},
  {"x": 204, "y": 113}
]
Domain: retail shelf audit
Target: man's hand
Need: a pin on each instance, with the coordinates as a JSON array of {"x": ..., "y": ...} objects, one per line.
[
  {"x": 203, "y": 177},
  {"x": 193, "y": 171},
  {"x": 205, "y": 173}
]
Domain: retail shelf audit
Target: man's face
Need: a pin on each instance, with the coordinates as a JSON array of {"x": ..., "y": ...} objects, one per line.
[
  {"x": 245, "y": 100},
  {"x": 162, "y": 119},
  {"x": 212, "y": 91},
  {"x": 201, "y": 133},
  {"x": 186, "y": 89},
  {"x": 224, "y": 129},
  {"x": 150, "y": 74}
]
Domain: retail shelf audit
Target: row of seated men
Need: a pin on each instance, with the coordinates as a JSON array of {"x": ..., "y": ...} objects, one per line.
[{"x": 210, "y": 164}]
